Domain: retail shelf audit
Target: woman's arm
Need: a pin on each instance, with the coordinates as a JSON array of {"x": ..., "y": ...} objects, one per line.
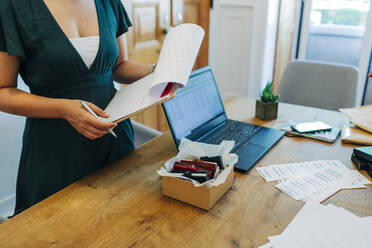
[
  {"x": 18, "y": 102},
  {"x": 127, "y": 72}
]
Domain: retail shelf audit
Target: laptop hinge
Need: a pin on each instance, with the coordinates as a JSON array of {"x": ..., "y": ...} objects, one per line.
[
  {"x": 212, "y": 130},
  {"x": 207, "y": 127}
]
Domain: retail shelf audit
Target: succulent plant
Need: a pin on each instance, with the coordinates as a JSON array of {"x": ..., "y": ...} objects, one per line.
[{"x": 267, "y": 94}]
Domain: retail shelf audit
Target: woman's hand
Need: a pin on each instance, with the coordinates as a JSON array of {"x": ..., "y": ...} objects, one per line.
[
  {"x": 84, "y": 122},
  {"x": 370, "y": 74}
]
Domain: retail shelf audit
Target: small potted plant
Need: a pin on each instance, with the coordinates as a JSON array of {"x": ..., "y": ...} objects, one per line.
[
  {"x": 267, "y": 106},
  {"x": 165, "y": 30}
]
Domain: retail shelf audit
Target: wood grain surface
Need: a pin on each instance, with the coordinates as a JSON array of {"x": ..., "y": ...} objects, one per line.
[{"x": 121, "y": 205}]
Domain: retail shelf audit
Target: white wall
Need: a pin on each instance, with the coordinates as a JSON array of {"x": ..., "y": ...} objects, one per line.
[
  {"x": 230, "y": 40},
  {"x": 242, "y": 44},
  {"x": 11, "y": 130}
]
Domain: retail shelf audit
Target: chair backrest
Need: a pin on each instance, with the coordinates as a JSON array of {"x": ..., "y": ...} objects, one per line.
[{"x": 323, "y": 85}]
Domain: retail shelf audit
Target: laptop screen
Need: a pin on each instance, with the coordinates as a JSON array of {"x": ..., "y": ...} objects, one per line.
[{"x": 194, "y": 105}]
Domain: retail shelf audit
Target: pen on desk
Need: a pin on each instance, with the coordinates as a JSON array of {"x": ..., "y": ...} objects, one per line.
[{"x": 94, "y": 114}]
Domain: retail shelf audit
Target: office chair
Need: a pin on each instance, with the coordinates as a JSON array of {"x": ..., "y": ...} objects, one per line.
[
  {"x": 317, "y": 84},
  {"x": 143, "y": 134}
]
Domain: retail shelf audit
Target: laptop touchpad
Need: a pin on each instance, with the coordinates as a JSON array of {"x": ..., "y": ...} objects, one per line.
[
  {"x": 266, "y": 137},
  {"x": 249, "y": 155}
]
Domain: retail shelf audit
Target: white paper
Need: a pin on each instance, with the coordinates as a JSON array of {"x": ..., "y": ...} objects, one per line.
[
  {"x": 360, "y": 116},
  {"x": 313, "y": 181},
  {"x": 130, "y": 99},
  {"x": 324, "y": 193},
  {"x": 367, "y": 220},
  {"x": 176, "y": 60},
  {"x": 325, "y": 226},
  {"x": 177, "y": 57},
  {"x": 287, "y": 171},
  {"x": 352, "y": 180}
]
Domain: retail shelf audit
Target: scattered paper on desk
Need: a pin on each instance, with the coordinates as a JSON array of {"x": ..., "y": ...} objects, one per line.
[
  {"x": 279, "y": 172},
  {"x": 356, "y": 135},
  {"x": 361, "y": 116},
  {"x": 313, "y": 181},
  {"x": 302, "y": 186},
  {"x": 368, "y": 220},
  {"x": 324, "y": 226}
]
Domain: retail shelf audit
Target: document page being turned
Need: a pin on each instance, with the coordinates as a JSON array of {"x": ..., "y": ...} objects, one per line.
[{"x": 176, "y": 60}]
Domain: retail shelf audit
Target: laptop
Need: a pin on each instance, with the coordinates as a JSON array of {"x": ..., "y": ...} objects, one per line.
[{"x": 197, "y": 113}]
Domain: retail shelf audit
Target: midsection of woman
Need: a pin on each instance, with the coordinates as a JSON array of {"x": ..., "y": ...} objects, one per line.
[{"x": 40, "y": 40}]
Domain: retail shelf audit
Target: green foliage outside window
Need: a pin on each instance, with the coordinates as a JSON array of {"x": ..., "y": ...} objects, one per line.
[{"x": 343, "y": 17}]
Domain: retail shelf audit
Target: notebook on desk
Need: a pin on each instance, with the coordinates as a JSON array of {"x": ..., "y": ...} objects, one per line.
[{"x": 197, "y": 113}]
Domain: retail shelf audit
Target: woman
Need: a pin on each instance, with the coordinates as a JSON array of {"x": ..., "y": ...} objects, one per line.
[{"x": 65, "y": 51}]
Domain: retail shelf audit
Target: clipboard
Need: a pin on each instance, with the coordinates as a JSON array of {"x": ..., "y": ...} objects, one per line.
[
  {"x": 171, "y": 96},
  {"x": 177, "y": 58}
]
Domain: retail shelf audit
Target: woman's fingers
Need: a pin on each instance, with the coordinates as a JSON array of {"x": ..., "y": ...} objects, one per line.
[
  {"x": 95, "y": 131},
  {"x": 91, "y": 132},
  {"x": 84, "y": 122},
  {"x": 95, "y": 128},
  {"x": 370, "y": 74},
  {"x": 100, "y": 124},
  {"x": 96, "y": 122},
  {"x": 90, "y": 135},
  {"x": 98, "y": 110}
]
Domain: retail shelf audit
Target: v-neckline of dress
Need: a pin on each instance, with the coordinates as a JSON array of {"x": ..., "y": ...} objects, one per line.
[{"x": 67, "y": 40}]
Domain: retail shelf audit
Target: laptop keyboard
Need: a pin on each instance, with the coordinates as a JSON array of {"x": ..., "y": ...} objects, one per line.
[{"x": 240, "y": 132}]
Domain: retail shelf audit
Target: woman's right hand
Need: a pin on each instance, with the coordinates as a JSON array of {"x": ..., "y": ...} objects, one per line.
[{"x": 84, "y": 122}]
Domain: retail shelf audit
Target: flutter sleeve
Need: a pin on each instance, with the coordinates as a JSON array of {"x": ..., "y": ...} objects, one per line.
[
  {"x": 122, "y": 19},
  {"x": 10, "y": 38}
]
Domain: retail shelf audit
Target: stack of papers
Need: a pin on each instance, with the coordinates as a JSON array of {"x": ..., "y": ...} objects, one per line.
[
  {"x": 361, "y": 116},
  {"x": 355, "y": 135},
  {"x": 324, "y": 226},
  {"x": 313, "y": 181}
]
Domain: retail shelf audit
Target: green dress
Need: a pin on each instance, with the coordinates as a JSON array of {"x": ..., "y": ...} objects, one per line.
[{"x": 54, "y": 154}]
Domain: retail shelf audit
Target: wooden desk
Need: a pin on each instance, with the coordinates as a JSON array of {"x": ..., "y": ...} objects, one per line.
[{"x": 122, "y": 204}]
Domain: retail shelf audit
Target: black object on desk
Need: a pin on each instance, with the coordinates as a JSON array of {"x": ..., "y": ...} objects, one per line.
[
  {"x": 360, "y": 163},
  {"x": 215, "y": 159},
  {"x": 362, "y": 158},
  {"x": 364, "y": 153},
  {"x": 197, "y": 176}
]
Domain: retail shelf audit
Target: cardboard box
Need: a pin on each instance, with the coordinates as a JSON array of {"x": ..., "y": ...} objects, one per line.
[{"x": 202, "y": 197}]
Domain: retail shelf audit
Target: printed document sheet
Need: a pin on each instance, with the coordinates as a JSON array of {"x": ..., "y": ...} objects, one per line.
[{"x": 313, "y": 181}]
